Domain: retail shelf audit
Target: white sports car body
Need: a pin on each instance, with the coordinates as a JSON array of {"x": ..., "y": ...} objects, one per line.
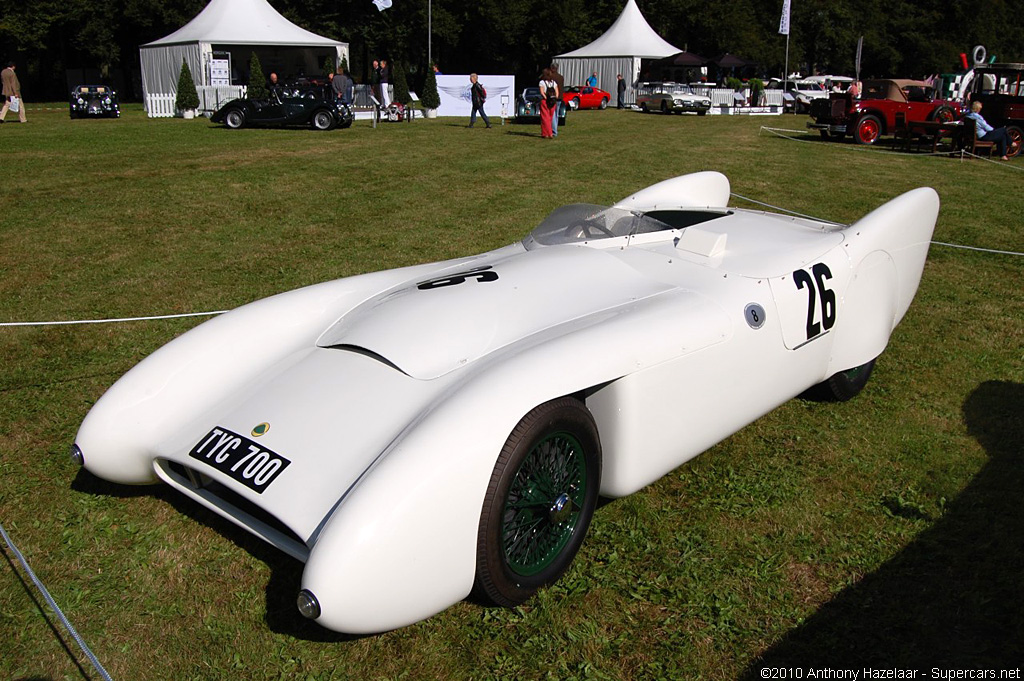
[{"x": 415, "y": 434}]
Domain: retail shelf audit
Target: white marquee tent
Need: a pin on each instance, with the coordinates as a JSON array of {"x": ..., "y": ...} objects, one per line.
[
  {"x": 218, "y": 42},
  {"x": 619, "y": 50}
]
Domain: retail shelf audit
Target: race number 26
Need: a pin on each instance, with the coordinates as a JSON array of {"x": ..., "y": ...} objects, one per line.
[{"x": 819, "y": 298}]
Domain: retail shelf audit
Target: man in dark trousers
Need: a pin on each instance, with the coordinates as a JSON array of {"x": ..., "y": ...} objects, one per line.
[
  {"x": 375, "y": 81},
  {"x": 342, "y": 86},
  {"x": 560, "y": 82},
  {"x": 477, "y": 96},
  {"x": 621, "y": 87}
]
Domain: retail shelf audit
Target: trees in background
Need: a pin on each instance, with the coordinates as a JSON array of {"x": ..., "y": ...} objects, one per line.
[{"x": 901, "y": 37}]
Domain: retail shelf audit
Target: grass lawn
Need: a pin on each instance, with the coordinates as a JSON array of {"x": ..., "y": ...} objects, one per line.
[{"x": 885, "y": 532}]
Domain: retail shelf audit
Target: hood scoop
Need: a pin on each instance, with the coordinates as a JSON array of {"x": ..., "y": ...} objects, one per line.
[{"x": 430, "y": 327}]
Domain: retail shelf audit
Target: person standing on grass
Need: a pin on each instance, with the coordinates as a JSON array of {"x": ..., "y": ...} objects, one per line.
[
  {"x": 548, "y": 104},
  {"x": 477, "y": 96},
  {"x": 385, "y": 78},
  {"x": 342, "y": 87},
  {"x": 620, "y": 87},
  {"x": 560, "y": 84},
  {"x": 375, "y": 81},
  {"x": 11, "y": 88}
]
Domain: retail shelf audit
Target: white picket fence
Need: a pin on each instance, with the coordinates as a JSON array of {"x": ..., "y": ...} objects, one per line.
[
  {"x": 210, "y": 99},
  {"x": 160, "y": 106}
]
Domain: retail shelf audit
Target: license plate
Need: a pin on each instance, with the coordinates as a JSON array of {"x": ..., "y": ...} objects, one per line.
[{"x": 239, "y": 457}]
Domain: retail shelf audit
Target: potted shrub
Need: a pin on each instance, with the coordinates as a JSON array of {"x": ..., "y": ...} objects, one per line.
[
  {"x": 401, "y": 84},
  {"x": 429, "y": 98},
  {"x": 187, "y": 100},
  {"x": 257, "y": 88},
  {"x": 756, "y": 91}
]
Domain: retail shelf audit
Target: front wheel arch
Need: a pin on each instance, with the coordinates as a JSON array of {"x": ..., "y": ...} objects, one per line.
[{"x": 539, "y": 502}]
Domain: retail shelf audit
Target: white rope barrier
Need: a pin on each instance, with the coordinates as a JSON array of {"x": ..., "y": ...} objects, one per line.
[
  {"x": 53, "y": 606},
  {"x": 858, "y": 148},
  {"x": 113, "y": 321}
]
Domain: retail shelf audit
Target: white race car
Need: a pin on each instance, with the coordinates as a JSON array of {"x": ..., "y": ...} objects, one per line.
[{"x": 417, "y": 434}]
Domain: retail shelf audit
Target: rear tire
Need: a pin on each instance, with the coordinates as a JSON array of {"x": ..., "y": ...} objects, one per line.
[
  {"x": 845, "y": 385},
  {"x": 1016, "y": 137},
  {"x": 539, "y": 502},
  {"x": 943, "y": 114},
  {"x": 604, "y": 103}
]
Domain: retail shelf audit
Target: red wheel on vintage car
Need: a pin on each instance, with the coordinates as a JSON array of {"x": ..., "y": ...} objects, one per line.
[
  {"x": 867, "y": 130},
  {"x": 1016, "y": 137}
]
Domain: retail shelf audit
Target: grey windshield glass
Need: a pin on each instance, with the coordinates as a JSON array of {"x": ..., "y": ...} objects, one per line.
[{"x": 588, "y": 222}]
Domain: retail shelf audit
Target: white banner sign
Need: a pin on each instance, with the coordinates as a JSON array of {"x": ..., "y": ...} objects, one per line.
[
  {"x": 784, "y": 21},
  {"x": 455, "y": 97}
]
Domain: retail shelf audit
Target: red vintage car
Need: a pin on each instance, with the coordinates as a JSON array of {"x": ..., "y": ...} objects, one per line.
[
  {"x": 585, "y": 97},
  {"x": 874, "y": 113}
]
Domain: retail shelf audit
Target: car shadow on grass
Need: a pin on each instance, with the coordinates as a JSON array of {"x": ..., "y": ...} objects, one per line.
[
  {"x": 282, "y": 615},
  {"x": 952, "y": 598}
]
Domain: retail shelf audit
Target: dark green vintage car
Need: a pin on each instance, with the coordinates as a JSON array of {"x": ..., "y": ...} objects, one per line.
[
  {"x": 87, "y": 101},
  {"x": 298, "y": 105},
  {"x": 528, "y": 107}
]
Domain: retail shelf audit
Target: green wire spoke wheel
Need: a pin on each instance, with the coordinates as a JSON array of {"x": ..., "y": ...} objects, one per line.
[{"x": 539, "y": 502}]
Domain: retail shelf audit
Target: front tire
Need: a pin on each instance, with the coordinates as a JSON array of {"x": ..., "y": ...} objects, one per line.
[
  {"x": 867, "y": 130},
  {"x": 574, "y": 103},
  {"x": 234, "y": 119},
  {"x": 539, "y": 502},
  {"x": 323, "y": 120}
]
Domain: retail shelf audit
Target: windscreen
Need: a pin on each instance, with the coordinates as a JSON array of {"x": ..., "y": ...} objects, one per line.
[{"x": 579, "y": 222}]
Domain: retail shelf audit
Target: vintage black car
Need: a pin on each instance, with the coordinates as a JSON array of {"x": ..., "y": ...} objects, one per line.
[
  {"x": 289, "y": 105},
  {"x": 1000, "y": 90},
  {"x": 94, "y": 100},
  {"x": 528, "y": 106}
]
